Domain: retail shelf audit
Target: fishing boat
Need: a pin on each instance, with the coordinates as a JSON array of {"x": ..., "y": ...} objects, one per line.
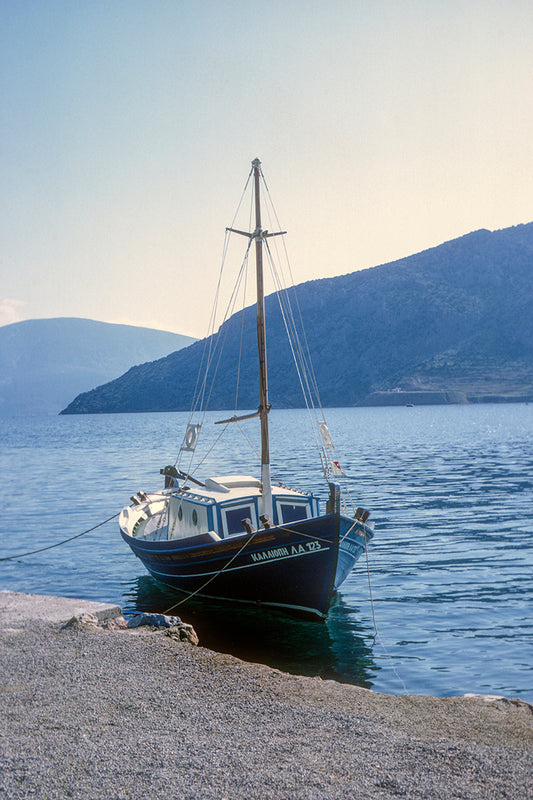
[{"x": 241, "y": 537}]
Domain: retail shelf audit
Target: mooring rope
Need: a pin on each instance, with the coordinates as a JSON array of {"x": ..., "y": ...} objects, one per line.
[
  {"x": 378, "y": 635},
  {"x": 58, "y": 544},
  {"x": 212, "y": 578}
]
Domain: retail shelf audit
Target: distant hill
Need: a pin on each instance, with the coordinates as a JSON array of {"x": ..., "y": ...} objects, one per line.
[
  {"x": 455, "y": 321},
  {"x": 44, "y": 363}
]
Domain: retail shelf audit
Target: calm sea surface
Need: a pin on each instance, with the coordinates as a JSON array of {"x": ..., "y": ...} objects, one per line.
[{"x": 450, "y": 567}]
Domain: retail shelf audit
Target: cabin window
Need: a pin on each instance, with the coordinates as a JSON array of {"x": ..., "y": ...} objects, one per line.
[
  {"x": 180, "y": 513},
  {"x": 194, "y": 517},
  {"x": 291, "y": 512},
  {"x": 232, "y": 516}
]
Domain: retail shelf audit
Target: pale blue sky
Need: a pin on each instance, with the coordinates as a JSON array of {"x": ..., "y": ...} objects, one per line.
[{"x": 128, "y": 127}]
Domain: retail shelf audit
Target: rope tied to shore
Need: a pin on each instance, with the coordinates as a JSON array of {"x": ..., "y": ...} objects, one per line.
[
  {"x": 58, "y": 544},
  {"x": 212, "y": 577}
]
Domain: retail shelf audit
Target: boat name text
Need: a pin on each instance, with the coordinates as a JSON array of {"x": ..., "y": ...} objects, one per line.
[
  {"x": 284, "y": 552},
  {"x": 351, "y": 547}
]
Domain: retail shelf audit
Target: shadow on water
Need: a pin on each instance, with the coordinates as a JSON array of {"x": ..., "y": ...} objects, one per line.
[{"x": 335, "y": 650}]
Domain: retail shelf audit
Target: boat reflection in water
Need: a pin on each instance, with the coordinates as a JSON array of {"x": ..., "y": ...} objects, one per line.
[{"x": 335, "y": 650}]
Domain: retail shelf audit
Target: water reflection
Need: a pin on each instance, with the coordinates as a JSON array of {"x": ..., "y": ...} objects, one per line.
[{"x": 339, "y": 649}]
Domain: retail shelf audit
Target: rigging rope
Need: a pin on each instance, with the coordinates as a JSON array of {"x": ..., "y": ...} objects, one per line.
[
  {"x": 58, "y": 544},
  {"x": 216, "y": 346},
  {"x": 303, "y": 350},
  {"x": 210, "y": 342},
  {"x": 304, "y": 367},
  {"x": 237, "y": 381},
  {"x": 283, "y": 280}
]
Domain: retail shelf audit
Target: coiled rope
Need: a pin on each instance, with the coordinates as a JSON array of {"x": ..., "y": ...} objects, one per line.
[{"x": 58, "y": 544}]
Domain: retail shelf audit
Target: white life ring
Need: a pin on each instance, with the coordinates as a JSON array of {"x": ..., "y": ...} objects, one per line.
[{"x": 190, "y": 437}]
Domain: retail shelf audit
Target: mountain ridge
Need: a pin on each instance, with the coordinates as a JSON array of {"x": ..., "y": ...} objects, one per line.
[
  {"x": 453, "y": 318},
  {"x": 46, "y": 362}
]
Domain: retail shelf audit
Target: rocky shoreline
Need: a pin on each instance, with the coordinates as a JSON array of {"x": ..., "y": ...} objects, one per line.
[
  {"x": 92, "y": 709},
  {"x": 443, "y": 397}
]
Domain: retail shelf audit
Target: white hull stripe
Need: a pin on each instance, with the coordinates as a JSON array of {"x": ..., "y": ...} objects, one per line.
[
  {"x": 244, "y": 566},
  {"x": 291, "y": 606}
]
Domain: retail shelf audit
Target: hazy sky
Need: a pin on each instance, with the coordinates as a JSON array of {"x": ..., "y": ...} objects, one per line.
[{"x": 128, "y": 128}]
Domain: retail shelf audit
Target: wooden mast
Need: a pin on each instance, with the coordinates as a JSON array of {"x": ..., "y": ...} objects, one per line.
[
  {"x": 259, "y": 235},
  {"x": 264, "y": 407}
]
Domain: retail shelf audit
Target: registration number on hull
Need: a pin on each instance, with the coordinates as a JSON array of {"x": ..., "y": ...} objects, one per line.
[{"x": 286, "y": 552}]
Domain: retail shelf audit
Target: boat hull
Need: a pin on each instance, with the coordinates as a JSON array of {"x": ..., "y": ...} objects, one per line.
[{"x": 296, "y": 568}]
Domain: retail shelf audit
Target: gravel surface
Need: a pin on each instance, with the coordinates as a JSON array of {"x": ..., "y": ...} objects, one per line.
[{"x": 89, "y": 712}]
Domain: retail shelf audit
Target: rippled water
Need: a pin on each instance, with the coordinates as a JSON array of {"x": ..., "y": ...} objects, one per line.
[{"x": 450, "y": 567}]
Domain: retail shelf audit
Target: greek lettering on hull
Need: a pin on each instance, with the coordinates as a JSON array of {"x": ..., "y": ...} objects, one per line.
[{"x": 284, "y": 552}]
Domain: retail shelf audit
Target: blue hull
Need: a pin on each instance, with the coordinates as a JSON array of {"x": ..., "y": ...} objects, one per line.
[{"x": 297, "y": 569}]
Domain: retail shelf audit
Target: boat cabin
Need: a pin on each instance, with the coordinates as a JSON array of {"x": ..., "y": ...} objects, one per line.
[{"x": 224, "y": 506}]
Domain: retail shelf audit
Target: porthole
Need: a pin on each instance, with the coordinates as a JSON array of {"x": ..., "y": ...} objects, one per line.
[
  {"x": 194, "y": 517},
  {"x": 180, "y": 513}
]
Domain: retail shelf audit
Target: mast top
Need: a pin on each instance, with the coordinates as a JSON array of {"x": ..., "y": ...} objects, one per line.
[{"x": 256, "y": 162}]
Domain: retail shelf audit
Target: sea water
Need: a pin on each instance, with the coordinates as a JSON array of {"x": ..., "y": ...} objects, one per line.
[{"x": 441, "y": 605}]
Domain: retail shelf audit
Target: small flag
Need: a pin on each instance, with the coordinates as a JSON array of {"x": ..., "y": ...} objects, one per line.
[
  {"x": 336, "y": 468},
  {"x": 326, "y": 438}
]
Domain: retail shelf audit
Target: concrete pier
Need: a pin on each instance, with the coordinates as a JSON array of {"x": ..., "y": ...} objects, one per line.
[
  {"x": 94, "y": 711},
  {"x": 16, "y": 608}
]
